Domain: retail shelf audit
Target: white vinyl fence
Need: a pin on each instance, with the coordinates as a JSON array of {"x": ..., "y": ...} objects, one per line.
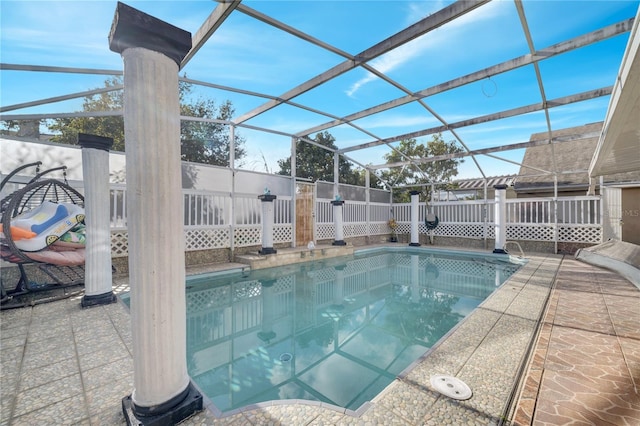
[{"x": 215, "y": 219}]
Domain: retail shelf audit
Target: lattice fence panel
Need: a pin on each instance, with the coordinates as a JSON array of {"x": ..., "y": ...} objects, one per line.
[
  {"x": 325, "y": 274},
  {"x": 206, "y": 238},
  {"x": 580, "y": 234},
  {"x": 246, "y": 290},
  {"x": 247, "y": 236},
  {"x": 205, "y": 300},
  {"x": 282, "y": 233},
  {"x": 119, "y": 244},
  {"x": 475, "y": 230},
  {"x": 491, "y": 231},
  {"x": 379, "y": 228},
  {"x": 355, "y": 229},
  {"x": 325, "y": 231},
  {"x": 403, "y": 228},
  {"x": 284, "y": 284},
  {"x": 365, "y": 264},
  {"x": 531, "y": 233}
]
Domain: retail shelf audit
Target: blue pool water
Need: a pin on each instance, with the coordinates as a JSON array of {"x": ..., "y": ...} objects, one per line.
[{"x": 336, "y": 331}]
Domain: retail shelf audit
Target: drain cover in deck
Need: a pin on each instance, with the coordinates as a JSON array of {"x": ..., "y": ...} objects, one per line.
[{"x": 451, "y": 386}]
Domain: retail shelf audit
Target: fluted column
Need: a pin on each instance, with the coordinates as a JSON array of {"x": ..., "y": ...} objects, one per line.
[
  {"x": 415, "y": 279},
  {"x": 415, "y": 227},
  {"x": 267, "y": 224},
  {"x": 151, "y": 51},
  {"x": 98, "y": 285},
  {"x": 500, "y": 216},
  {"x": 338, "y": 222}
]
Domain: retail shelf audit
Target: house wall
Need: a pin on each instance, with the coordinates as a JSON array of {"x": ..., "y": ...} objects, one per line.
[{"x": 631, "y": 215}]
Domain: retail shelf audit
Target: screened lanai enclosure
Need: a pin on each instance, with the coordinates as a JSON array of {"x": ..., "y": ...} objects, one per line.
[
  {"x": 485, "y": 76},
  {"x": 540, "y": 100}
]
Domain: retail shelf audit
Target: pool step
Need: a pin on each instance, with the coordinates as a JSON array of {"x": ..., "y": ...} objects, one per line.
[{"x": 293, "y": 255}]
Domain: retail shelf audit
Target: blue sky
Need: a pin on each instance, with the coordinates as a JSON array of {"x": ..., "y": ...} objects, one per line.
[{"x": 248, "y": 54}]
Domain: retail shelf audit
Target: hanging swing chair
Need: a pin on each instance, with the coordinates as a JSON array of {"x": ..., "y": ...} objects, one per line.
[
  {"x": 37, "y": 222},
  {"x": 431, "y": 221}
]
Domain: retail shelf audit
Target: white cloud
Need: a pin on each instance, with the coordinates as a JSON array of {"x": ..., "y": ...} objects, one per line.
[{"x": 400, "y": 56}]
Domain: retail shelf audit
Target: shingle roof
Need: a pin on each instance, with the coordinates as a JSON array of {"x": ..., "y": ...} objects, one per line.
[{"x": 570, "y": 152}]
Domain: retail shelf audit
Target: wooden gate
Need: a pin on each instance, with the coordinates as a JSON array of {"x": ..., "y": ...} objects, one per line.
[{"x": 305, "y": 214}]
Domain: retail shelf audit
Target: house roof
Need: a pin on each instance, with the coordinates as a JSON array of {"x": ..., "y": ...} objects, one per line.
[
  {"x": 478, "y": 184},
  {"x": 566, "y": 153}
]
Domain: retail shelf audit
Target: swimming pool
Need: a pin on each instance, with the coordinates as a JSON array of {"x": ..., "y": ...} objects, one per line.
[{"x": 337, "y": 331}]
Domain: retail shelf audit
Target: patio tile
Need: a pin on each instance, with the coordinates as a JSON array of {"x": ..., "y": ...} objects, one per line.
[
  {"x": 70, "y": 411},
  {"x": 410, "y": 401},
  {"x": 103, "y": 357},
  {"x": 41, "y": 354},
  {"x": 48, "y": 331},
  {"x": 49, "y": 393},
  {"x": 86, "y": 346},
  {"x": 524, "y": 412},
  {"x": 48, "y": 373},
  {"x": 376, "y": 415},
  {"x": 531, "y": 386},
  {"x": 601, "y": 400},
  {"x": 6, "y": 406},
  {"x": 108, "y": 397},
  {"x": 111, "y": 417},
  {"x": 206, "y": 418},
  {"x": 491, "y": 388},
  {"x": 102, "y": 375},
  {"x": 447, "y": 411},
  {"x": 53, "y": 343},
  {"x": 10, "y": 339},
  {"x": 93, "y": 332},
  {"x": 572, "y": 349}
]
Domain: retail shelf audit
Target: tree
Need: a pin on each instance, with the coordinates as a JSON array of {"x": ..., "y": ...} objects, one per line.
[
  {"x": 201, "y": 142},
  {"x": 441, "y": 171},
  {"x": 206, "y": 142},
  {"x": 315, "y": 163},
  {"x": 68, "y": 128}
]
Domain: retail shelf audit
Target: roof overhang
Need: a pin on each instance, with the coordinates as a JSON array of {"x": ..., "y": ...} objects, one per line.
[{"x": 618, "y": 148}]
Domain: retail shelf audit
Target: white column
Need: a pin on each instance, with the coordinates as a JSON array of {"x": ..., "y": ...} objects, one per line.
[
  {"x": 415, "y": 229},
  {"x": 500, "y": 217},
  {"x": 367, "y": 199},
  {"x": 152, "y": 51},
  {"x": 338, "y": 296},
  {"x": 500, "y": 273},
  {"x": 266, "y": 334},
  {"x": 294, "y": 194},
  {"x": 98, "y": 286},
  {"x": 338, "y": 222},
  {"x": 267, "y": 224},
  {"x": 336, "y": 174},
  {"x": 415, "y": 278}
]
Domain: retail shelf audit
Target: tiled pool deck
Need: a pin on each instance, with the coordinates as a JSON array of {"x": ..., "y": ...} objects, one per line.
[{"x": 65, "y": 365}]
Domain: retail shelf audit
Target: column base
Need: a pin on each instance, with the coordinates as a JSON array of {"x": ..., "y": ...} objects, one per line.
[
  {"x": 189, "y": 404},
  {"x": 267, "y": 250},
  {"x": 339, "y": 243},
  {"x": 414, "y": 244},
  {"x": 500, "y": 251},
  {"x": 98, "y": 299}
]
